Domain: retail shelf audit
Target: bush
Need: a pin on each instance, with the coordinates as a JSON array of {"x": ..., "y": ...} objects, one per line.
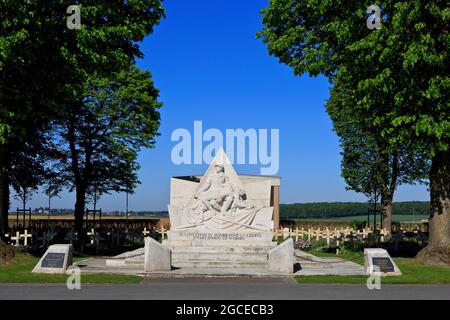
[
  {"x": 6, "y": 252},
  {"x": 354, "y": 246}
]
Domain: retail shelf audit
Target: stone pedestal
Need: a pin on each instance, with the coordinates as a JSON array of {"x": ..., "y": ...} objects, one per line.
[
  {"x": 220, "y": 238},
  {"x": 157, "y": 256},
  {"x": 281, "y": 258},
  {"x": 222, "y": 220},
  {"x": 380, "y": 258},
  {"x": 56, "y": 259},
  {"x": 224, "y": 250}
]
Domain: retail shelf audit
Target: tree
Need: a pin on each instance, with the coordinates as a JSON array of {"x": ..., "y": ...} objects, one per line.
[
  {"x": 104, "y": 131},
  {"x": 369, "y": 166},
  {"x": 25, "y": 82},
  {"x": 27, "y": 167},
  {"x": 54, "y": 183},
  {"x": 43, "y": 64},
  {"x": 401, "y": 72}
]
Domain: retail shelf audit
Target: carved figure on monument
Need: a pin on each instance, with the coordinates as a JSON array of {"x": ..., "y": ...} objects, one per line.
[
  {"x": 220, "y": 203},
  {"x": 240, "y": 201},
  {"x": 218, "y": 193}
]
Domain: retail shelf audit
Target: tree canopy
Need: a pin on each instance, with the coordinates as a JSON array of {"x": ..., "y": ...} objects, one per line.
[
  {"x": 103, "y": 132},
  {"x": 399, "y": 74},
  {"x": 44, "y": 65}
]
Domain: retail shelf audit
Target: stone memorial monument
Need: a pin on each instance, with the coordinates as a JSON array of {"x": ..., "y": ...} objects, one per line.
[
  {"x": 222, "y": 220},
  {"x": 379, "y": 259},
  {"x": 56, "y": 259}
]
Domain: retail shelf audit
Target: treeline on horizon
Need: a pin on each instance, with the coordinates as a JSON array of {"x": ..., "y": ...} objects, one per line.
[{"x": 322, "y": 210}]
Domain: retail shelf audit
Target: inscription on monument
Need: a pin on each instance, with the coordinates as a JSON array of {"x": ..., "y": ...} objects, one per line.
[
  {"x": 221, "y": 236},
  {"x": 384, "y": 263},
  {"x": 53, "y": 260}
]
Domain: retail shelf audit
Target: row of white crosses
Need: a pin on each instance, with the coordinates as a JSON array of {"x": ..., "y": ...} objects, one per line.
[
  {"x": 71, "y": 236},
  {"x": 162, "y": 231},
  {"x": 327, "y": 234},
  {"x": 23, "y": 236}
]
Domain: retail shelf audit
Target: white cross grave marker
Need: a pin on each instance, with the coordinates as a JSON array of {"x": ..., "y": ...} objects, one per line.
[
  {"x": 163, "y": 232},
  {"x": 92, "y": 234},
  {"x": 16, "y": 239},
  {"x": 25, "y": 237},
  {"x": 145, "y": 232}
]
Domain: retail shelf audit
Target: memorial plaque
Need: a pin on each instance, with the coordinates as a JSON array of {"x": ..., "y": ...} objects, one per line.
[
  {"x": 384, "y": 263},
  {"x": 53, "y": 260}
]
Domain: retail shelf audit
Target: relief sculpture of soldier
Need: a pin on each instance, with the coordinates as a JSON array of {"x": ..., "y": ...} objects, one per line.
[
  {"x": 220, "y": 204},
  {"x": 218, "y": 192}
]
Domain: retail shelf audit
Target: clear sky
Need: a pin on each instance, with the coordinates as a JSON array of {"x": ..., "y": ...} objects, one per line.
[{"x": 209, "y": 66}]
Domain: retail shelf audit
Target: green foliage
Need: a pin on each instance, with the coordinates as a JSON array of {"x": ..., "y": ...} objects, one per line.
[
  {"x": 414, "y": 272},
  {"x": 395, "y": 81},
  {"x": 369, "y": 165},
  {"x": 118, "y": 116},
  {"x": 44, "y": 67},
  {"x": 353, "y": 246},
  {"x": 19, "y": 271},
  {"x": 347, "y": 209},
  {"x": 400, "y": 72},
  {"x": 42, "y": 62}
]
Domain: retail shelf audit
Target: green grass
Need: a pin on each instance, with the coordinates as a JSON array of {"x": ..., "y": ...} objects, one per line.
[
  {"x": 19, "y": 271},
  {"x": 414, "y": 272}
]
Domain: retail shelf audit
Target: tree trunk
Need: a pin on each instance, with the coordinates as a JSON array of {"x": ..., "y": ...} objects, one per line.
[
  {"x": 80, "y": 187},
  {"x": 390, "y": 173},
  {"x": 4, "y": 189},
  {"x": 438, "y": 249},
  {"x": 80, "y": 210},
  {"x": 386, "y": 211}
]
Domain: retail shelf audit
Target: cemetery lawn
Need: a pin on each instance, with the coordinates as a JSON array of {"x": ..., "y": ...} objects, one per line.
[
  {"x": 414, "y": 272},
  {"x": 19, "y": 271}
]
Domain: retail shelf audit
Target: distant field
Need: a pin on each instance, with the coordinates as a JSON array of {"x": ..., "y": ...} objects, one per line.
[
  {"x": 395, "y": 218},
  {"x": 71, "y": 217},
  {"x": 68, "y": 218}
]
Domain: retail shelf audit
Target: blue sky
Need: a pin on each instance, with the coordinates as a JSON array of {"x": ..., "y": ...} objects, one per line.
[{"x": 209, "y": 66}]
